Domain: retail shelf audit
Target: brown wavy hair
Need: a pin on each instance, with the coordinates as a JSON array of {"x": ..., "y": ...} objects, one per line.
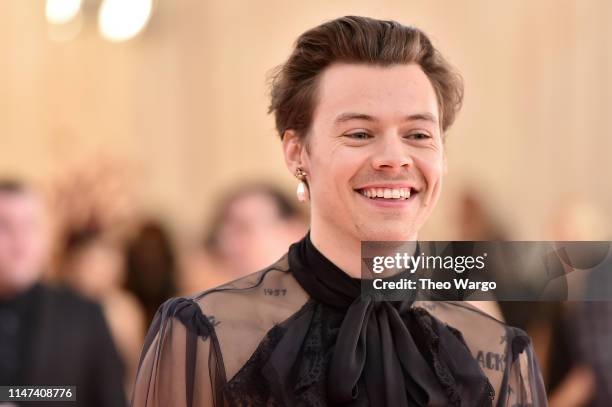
[{"x": 362, "y": 40}]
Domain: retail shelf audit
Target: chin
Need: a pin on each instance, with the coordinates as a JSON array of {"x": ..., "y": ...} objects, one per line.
[{"x": 386, "y": 234}]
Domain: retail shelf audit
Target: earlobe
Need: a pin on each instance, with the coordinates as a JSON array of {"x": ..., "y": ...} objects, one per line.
[{"x": 296, "y": 159}]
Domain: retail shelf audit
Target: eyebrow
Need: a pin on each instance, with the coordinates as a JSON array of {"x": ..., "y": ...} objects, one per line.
[{"x": 345, "y": 117}]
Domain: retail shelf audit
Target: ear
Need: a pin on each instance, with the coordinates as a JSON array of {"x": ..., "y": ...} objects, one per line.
[{"x": 294, "y": 151}]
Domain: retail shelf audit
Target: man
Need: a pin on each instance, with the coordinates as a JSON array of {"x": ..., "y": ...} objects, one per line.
[
  {"x": 362, "y": 107},
  {"x": 48, "y": 336}
]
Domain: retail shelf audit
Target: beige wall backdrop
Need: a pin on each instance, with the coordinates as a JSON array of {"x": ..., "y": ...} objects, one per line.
[{"x": 182, "y": 108}]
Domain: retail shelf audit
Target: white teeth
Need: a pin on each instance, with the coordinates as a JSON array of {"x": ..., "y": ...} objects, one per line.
[{"x": 387, "y": 193}]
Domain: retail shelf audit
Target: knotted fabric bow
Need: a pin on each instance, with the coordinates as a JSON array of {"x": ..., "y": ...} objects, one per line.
[{"x": 402, "y": 355}]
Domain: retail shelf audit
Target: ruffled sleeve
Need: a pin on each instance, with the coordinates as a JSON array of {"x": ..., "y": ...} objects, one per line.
[{"x": 181, "y": 363}]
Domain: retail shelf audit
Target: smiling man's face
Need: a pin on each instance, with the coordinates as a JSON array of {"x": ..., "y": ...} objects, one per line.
[{"x": 375, "y": 156}]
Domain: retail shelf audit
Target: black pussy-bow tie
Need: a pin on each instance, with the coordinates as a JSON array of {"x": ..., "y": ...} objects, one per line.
[{"x": 403, "y": 355}]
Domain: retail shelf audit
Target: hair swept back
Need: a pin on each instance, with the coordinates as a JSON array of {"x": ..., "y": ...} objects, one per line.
[{"x": 353, "y": 39}]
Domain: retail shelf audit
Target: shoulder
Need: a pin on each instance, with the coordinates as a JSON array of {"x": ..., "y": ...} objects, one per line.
[
  {"x": 233, "y": 318},
  {"x": 268, "y": 292},
  {"x": 476, "y": 325},
  {"x": 496, "y": 346},
  {"x": 71, "y": 322},
  {"x": 493, "y": 343},
  {"x": 253, "y": 302},
  {"x": 65, "y": 301}
]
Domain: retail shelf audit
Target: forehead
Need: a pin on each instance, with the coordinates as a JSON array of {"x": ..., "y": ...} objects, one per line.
[
  {"x": 254, "y": 204},
  {"x": 387, "y": 92}
]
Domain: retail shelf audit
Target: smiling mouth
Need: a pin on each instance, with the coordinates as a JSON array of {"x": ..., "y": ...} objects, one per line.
[{"x": 388, "y": 194}]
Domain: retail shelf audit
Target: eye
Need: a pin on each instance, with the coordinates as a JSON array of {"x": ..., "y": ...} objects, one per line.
[
  {"x": 359, "y": 135},
  {"x": 418, "y": 136}
]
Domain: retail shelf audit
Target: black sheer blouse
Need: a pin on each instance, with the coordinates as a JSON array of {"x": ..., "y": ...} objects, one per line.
[{"x": 299, "y": 334}]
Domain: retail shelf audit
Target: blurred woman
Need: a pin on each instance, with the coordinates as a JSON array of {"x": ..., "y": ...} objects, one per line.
[{"x": 94, "y": 267}]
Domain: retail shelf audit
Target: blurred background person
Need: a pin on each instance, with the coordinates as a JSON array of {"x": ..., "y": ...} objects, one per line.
[
  {"x": 48, "y": 336},
  {"x": 151, "y": 265},
  {"x": 94, "y": 266},
  {"x": 570, "y": 338},
  {"x": 574, "y": 337},
  {"x": 91, "y": 204},
  {"x": 476, "y": 222},
  {"x": 250, "y": 229}
]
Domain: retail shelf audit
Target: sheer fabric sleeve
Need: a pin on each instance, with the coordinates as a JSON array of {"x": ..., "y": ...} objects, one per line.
[
  {"x": 196, "y": 346},
  {"x": 505, "y": 354},
  {"x": 524, "y": 386},
  {"x": 181, "y": 363}
]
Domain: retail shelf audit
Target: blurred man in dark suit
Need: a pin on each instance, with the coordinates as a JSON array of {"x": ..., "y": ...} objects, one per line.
[{"x": 48, "y": 336}]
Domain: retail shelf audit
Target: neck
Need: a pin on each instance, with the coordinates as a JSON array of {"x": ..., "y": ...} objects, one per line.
[{"x": 340, "y": 248}]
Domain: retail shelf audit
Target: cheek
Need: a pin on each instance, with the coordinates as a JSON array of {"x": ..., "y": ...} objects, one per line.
[
  {"x": 431, "y": 165},
  {"x": 334, "y": 171}
]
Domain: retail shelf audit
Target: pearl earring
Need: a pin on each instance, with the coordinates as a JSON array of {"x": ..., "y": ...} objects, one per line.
[{"x": 302, "y": 192}]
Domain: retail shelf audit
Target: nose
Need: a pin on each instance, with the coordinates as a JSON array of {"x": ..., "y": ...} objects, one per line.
[{"x": 392, "y": 155}]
